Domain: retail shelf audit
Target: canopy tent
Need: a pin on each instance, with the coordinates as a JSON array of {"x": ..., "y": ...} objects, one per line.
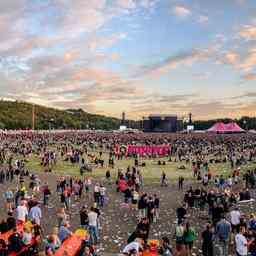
[
  {"x": 226, "y": 128},
  {"x": 218, "y": 127},
  {"x": 234, "y": 127}
]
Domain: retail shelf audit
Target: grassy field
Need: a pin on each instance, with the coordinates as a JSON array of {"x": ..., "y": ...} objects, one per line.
[{"x": 151, "y": 172}]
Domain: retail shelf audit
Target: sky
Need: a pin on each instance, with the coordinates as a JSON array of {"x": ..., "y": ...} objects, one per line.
[{"x": 138, "y": 56}]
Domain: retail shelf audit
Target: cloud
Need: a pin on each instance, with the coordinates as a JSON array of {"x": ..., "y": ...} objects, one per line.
[
  {"x": 181, "y": 59},
  {"x": 249, "y": 77},
  {"x": 181, "y": 11},
  {"x": 203, "y": 19},
  {"x": 231, "y": 58},
  {"x": 245, "y": 95},
  {"x": 248, "y": 32},
  {"x": 243, "y": 61},
  {"x": 105, "y": 42},
  {"x": 249, "y": 62},
  {"x": 126, "y": 4},
  {"x": 148, "y": 3}
]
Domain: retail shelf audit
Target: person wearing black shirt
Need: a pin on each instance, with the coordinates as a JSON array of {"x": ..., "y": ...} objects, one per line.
[
  {"x": 150, "y": 209},
  {"x": 127, "y": 195},
  {"x": 156, "y": 205},
  {"x": 217, "y": 212},
  {"x": 142, "y": 229},
  {"x": 181, "y": 213},
  {"x": 3, "y": 226},
  {"x": 84, "y": 221},
  {"x": 11, "y": 222},
  {"x": 108, "y": 176},
  {"x": 197, "y": 197},
  {"x": 181, "y": 179},
  {"x": 207, "y": 246},
  {"x": 15, "y": 241}
]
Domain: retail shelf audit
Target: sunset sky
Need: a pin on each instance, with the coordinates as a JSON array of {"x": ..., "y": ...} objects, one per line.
[{"x": 137, "y": 56}]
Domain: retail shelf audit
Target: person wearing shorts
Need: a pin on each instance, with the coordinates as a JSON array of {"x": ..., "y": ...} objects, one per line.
[{"x": 189, "y": 238}]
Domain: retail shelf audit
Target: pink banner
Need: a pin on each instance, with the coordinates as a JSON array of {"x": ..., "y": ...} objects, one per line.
[{"x": 161, "y": 150}]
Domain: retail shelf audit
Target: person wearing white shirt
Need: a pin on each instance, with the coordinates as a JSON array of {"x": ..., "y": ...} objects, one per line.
[
  {"x": 93, "y": 229},
  {"x": 235, "y": 216},
  {"x": 229, "y": 182},
  {"x": 241, "y": 244},
  {"x": 22, "y": 212},
  {"x": 35, "y": 214},
  {"x": 135, "y": 245}
]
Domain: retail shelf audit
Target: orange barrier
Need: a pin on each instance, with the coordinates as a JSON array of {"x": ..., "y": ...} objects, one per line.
[
  {"x": 72, "y": 244},
  {"x": 5, "y": 236},
  {"x": 149, "y": 253}
]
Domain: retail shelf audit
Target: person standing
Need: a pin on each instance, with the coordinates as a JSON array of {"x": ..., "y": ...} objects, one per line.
[
  {"x": 9, "y": 197},
  {"x": 84, "y": 220},
  {"x": 207, "y": 246},
  {"x": 179, "y": 237},
  {"x": 108, "y": 176},
  {"x": 181, "y": 180},
  {"x": 22, "y": 212},
  {"x": 156, "y": 206},
  {"x": 35, "y": 214},
  {"x": 223, "y": 230},
  {"x": 46, "y": 194},
  {"x": 235, "y": 216},
  {"x": 163, "y": 179},
  {"x": 102, "y": 195},
  {"x": 241, "y": 243},
  {"x": 93, "y": 229},
  {"x": 189, "y": 238},
  {"x": 97, "y": 193},
  {"x": 150, "y": 209}
]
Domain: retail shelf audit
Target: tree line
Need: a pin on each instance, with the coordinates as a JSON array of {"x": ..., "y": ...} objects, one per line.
[{"x": 18, "y": 115}]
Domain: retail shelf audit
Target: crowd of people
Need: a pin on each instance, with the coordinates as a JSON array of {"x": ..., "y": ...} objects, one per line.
[{"x": 215, "y": 199}]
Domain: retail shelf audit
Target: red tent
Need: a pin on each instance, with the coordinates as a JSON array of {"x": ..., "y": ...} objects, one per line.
[
  {"x": 226, "y": 128},
  {"x": 218, "y": 127},
  {"x": 234, "y": 127}
]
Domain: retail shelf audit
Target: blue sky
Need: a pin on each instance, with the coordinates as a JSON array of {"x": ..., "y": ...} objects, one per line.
[{"x": 138, "y": 56}]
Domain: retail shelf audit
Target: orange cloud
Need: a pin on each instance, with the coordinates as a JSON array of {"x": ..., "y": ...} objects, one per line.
[
  {"x": 181, "y": 11},
  {"x": 249, "y": 77},
  {"x": 248, "y": 32}
]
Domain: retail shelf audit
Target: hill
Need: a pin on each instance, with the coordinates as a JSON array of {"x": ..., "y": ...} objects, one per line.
[{"x": 18, "y": 115}]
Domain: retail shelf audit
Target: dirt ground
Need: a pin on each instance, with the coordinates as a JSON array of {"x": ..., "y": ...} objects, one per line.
[{"x": 118, "y": 222}]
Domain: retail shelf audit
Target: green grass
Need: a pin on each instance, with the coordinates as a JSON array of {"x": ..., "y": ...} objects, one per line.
[{"x": 151, "y": 173}]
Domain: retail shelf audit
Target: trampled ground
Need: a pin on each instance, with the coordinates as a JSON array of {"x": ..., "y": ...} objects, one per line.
[{"x": 117, "y": 222}]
